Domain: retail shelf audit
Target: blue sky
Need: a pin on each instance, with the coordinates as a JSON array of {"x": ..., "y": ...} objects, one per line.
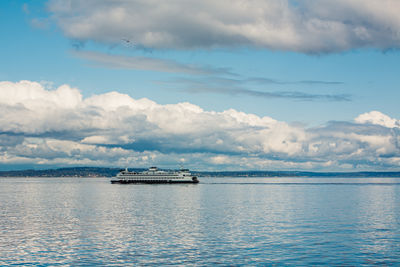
[{"x": 310, "y": 75}]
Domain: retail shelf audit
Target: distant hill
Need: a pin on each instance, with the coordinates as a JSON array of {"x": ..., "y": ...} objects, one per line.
[
  {"x": 109, "y": 172},
  {"x": 65, "y": 172},
  {"x": 298, "y": 174}
]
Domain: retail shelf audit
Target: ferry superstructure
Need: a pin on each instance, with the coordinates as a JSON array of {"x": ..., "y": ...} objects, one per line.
[{"x": 154, "y": 176}]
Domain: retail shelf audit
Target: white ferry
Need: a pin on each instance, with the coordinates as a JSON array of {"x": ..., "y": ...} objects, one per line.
[{"x": 154, "y": 176}]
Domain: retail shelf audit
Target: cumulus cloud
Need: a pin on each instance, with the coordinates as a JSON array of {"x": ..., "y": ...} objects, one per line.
[
  {"x": 42, "y": 126},
  {"x": 378, "y": 118},
  {"x": 303, "y": 26}
]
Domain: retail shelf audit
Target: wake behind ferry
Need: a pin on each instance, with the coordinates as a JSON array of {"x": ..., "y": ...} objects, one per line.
[{"x": 154, "y": 176}]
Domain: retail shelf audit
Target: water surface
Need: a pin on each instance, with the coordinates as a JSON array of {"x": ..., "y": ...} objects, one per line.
[{"x": 226, "y": 221}]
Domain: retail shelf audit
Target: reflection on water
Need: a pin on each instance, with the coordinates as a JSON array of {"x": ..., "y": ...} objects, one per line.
[{"x": 249, "y": 221}]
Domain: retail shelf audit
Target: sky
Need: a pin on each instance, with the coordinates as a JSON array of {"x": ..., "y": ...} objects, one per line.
[{"x": 211, "y": 85}]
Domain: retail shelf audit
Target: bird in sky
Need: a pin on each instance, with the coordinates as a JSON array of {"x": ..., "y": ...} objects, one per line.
[{"x": 127, "y": 42}]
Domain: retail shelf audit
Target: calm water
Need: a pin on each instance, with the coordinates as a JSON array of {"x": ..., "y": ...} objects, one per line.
[{"x": 226, "y": 221}]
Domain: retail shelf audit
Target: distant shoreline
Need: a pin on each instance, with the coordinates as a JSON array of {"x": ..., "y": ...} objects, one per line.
[{"x": 90, "y": 172}]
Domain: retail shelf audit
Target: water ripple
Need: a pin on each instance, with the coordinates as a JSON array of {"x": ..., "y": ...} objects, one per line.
[{"x": 85, "y": 222}]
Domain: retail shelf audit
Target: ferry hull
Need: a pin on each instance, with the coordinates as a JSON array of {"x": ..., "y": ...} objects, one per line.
[{"x": 153, "y": 182}]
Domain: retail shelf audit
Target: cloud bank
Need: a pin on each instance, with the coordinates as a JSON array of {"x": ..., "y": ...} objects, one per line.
[
  {"x": 308, "y": 26},
  {"x": 60, "y": 127}
]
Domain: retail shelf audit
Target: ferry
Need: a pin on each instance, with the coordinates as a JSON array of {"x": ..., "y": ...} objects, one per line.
[{"x": 154, "y": 176}]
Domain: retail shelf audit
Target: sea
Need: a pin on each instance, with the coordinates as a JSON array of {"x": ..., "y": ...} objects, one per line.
[{"x": 218, "y": 222}]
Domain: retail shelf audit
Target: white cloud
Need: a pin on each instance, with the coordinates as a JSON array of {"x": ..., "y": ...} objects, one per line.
[
  {"x": 42, "y": 126},
  {"x": 32, "y": 95},
  {"x": 378, "y": 118},
  {"x": 304, "y": 26}
]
